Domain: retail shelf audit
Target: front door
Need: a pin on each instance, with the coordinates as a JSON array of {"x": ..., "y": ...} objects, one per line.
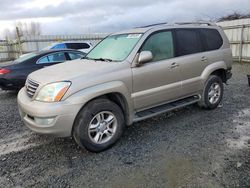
[{"x": 158, "y": 81}]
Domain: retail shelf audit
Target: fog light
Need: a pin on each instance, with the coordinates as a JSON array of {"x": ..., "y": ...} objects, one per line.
[{"x": 44, "y": 121}]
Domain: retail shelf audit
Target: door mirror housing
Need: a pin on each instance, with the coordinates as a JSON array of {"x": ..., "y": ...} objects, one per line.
[{"x": 144, "y": 57}]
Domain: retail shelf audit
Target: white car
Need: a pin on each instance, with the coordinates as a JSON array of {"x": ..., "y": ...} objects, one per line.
[{"x": 81, "y": 46}]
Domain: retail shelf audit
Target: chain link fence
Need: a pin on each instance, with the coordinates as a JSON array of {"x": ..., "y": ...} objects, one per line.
[
  {"x": 11, "y": 49},
  {"x": 237, "y": 31}
]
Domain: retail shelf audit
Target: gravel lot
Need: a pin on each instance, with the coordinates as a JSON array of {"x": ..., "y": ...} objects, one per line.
[{"x": 185, "y": 148}]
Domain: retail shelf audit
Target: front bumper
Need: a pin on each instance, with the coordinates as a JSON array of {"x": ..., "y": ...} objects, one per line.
[{"x": 63, "y": 114}]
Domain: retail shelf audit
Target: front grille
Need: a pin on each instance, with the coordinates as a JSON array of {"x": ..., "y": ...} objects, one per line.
[{"x": 31, "y": 88}]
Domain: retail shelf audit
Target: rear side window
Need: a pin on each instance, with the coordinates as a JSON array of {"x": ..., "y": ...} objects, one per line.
[
  {"x": 72, "y": 46},
  {"x": 188, "y": 42},
  {"x": 83, "y": 46},
  {"x": 52, "y": 58},
  {"x": 77, "y": 46},
  {"x": 43, "y": 60},
  {"x": 57, "y": 57},
  {"x": 212, "y": 39},
  {"x": 161, "y": 45},
  {"x": 74, "y": 55}
]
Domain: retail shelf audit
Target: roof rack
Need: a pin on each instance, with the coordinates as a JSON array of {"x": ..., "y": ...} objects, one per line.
[
  {"x": 152, "y": 25},
  {"x": 196, "y": 23}
]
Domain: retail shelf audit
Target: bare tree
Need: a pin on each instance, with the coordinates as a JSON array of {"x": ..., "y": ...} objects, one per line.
[
  {"x": 24, "y": 28},
  {"x": 31, "y": 28},
  {"x": 9, "y": 34},
  {"x": 35, "y": 28}
]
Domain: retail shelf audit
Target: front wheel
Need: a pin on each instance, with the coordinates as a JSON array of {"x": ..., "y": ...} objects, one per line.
[
  {"x": 98, "y": 125},
  {"x": 212, "y": 93}
]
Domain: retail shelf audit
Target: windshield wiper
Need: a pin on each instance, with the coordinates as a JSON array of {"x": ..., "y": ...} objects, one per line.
[
  {"x": 85, "y": 57},
  {"x": 98, "y": 59},
  {"x": 103, "y": 59}
]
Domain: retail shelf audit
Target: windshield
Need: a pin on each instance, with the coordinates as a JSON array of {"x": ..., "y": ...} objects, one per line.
[
  {"x": 25, "y": 57},
  {"x": 114, "y": 47},
  {"x": 49, "y": 47}
]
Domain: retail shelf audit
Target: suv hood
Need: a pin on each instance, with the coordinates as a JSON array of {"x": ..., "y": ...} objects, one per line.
[{"x": 71, "y": 70}]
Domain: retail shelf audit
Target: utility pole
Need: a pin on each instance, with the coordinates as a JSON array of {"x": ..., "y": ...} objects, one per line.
[{"x": 19, "y": 41}]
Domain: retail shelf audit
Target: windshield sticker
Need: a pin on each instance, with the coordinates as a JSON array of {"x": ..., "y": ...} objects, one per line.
[{"x": 133, "y": 36}]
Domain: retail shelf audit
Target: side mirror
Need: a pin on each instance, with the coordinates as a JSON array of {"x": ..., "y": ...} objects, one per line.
[{"x": 144, "y": 57}]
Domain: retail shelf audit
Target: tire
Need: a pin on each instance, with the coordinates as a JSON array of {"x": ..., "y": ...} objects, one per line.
[
  {"x": 210, "y": 93},
  {"x": 94, "y": 128}
]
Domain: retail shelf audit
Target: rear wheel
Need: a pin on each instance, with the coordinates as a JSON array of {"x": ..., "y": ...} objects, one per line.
[
  {"x": 212, "y": 93},
  {"x": 98, "y": 125}
]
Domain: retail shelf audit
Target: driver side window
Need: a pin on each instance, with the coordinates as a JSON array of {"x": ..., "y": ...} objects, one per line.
[{"x": 161, "y": 45}]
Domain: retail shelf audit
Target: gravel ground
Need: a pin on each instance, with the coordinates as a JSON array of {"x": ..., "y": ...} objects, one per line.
[{"x": 185, "y": 148}]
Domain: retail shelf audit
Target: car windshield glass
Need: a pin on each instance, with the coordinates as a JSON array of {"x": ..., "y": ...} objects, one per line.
[
  {"x": 114, "y": 47},
  {"x": 25, "y": 57}
]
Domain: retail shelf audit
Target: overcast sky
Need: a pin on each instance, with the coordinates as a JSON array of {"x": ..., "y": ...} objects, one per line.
[{"x": 84, "y": 16}]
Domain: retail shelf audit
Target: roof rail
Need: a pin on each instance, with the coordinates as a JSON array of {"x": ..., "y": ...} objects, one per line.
[
  {"x": 196, "y": 23},
  {"x": 152, "y": 25}
]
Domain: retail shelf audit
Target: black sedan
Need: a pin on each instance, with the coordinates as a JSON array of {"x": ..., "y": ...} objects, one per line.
[{"x": 13, "y": 75}]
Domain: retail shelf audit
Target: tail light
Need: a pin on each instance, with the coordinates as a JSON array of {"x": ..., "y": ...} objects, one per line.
[{"x": 4, "y": 71}]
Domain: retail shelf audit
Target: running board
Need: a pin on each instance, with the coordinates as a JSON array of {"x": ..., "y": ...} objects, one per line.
[{"x": 165, "y": 108}]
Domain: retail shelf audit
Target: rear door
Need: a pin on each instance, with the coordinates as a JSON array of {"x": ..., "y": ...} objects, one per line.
[
  {"x": 191, "y": 58},
  {"x": 213, "y": 42},
  {"x": 158, "y": 81}
]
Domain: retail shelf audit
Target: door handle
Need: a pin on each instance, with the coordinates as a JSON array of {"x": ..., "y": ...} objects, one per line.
[
  {"x": 203, "y": 58},
  {"x": 173, "y": 65}
]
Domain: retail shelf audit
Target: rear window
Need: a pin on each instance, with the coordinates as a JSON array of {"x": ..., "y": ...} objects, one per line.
[
  {"x": 188, "y": 42},
  {"x": 212, "y": 39},
  {"x": 25, "y": 57}
]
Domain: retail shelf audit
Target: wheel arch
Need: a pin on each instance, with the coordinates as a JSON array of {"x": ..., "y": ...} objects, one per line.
[
  {"x": 115, "y": 91},
  {"x": 220, "y": 73},
  {"x": 218, "y": 68}
]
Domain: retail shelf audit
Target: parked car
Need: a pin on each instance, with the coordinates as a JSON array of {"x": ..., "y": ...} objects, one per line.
[
  {"x": 13, "y": 75},
  {"x": 81, "y": 46},
  {"x": 128, "y": 77}
]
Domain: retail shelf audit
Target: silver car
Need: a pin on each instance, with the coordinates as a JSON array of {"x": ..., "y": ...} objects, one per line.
[{"x": 129, "y": 76}]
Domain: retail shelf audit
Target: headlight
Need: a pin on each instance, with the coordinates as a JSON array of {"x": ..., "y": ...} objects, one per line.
[{"x": 53, "y": 92}]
